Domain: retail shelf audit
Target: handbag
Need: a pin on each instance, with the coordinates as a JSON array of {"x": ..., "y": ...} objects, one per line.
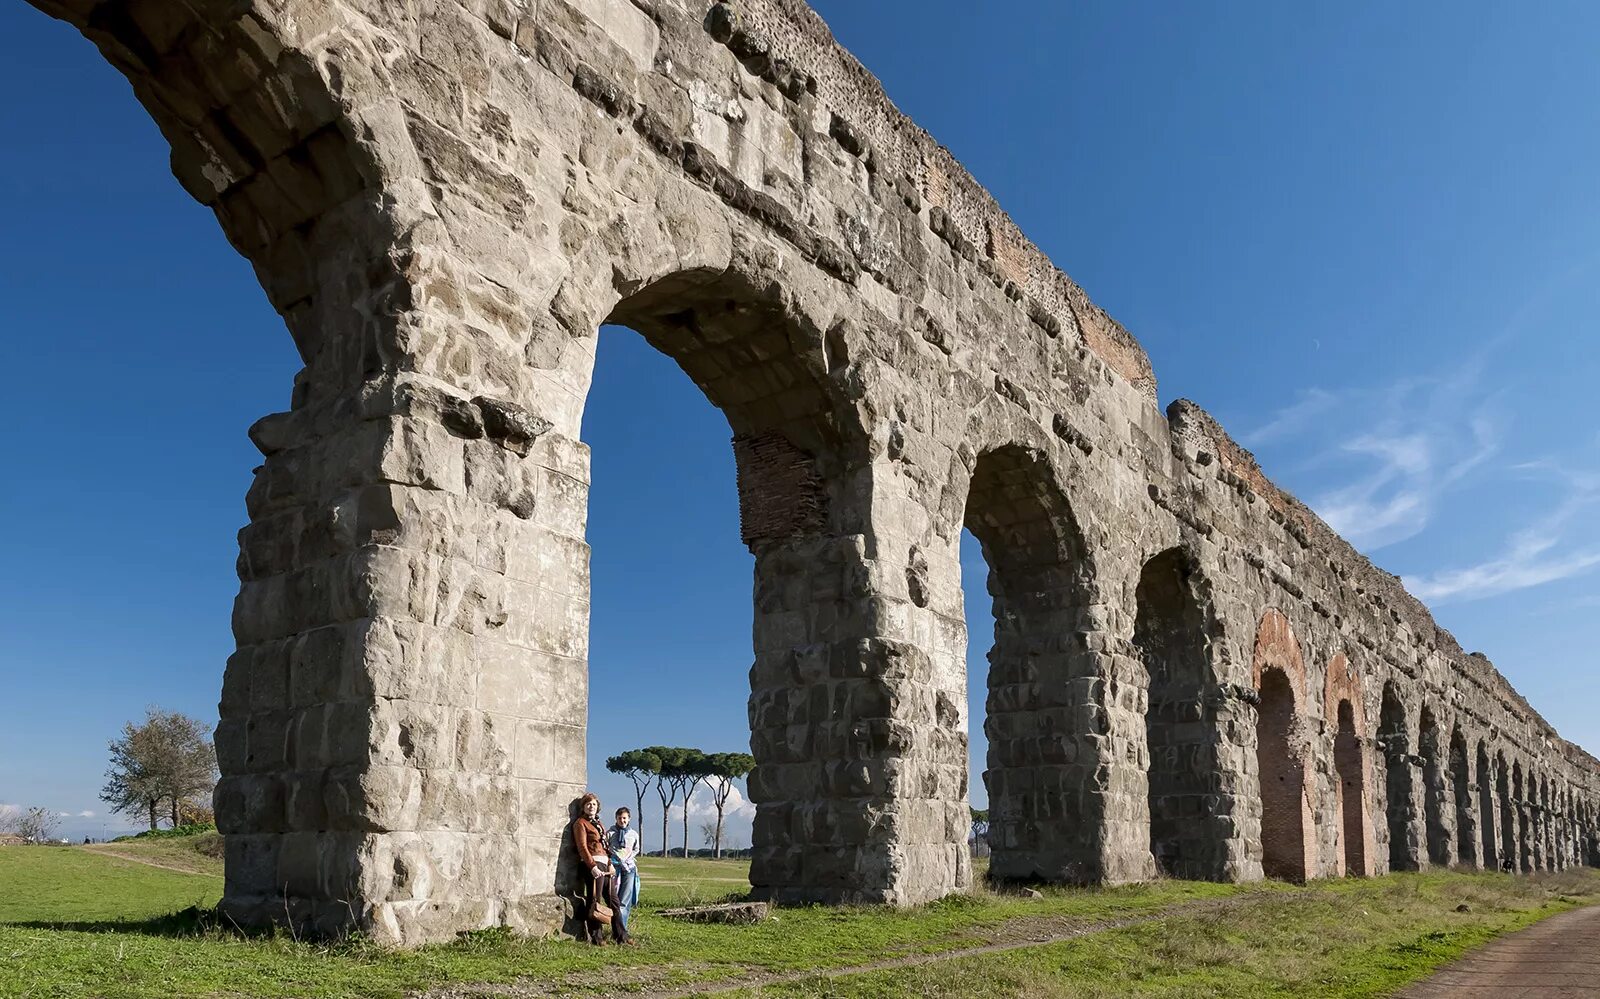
[{"x": 599, "y": 911}]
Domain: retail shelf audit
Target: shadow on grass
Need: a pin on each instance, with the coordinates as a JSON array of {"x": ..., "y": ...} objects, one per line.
[{"x": 191, "y": 922}]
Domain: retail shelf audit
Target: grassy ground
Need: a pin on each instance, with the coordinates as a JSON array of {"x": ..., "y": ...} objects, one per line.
[{"x": 80, "y": 922}]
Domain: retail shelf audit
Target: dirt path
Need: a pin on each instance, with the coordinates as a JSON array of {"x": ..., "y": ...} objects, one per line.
[
  {"x": 1555, "y": 958},
  {"x": 105, "y": 851}
]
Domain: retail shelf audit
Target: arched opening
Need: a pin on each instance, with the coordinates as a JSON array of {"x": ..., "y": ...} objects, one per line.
[
  {"x": 1282, "y": 780},
  {"x": 1509, "y": 857},
  {"x": 1344, "y": 707},
  {"x": 1488, "y": 817},
  {"x": 1568, "y": 850},
  {"x": 1044, "y": 813},
  {"x": 1592, "y": 833},
  {"x": 1350, "y": 768},
  {"x": 1546, "y": 826},
  {"x": 1461, "y": 784},
  {"x": 1282, "y": 750},
  {"x": 1523, "y": 841},
  {"x": 1435, "y": 794},
  {"x": 667, "y": 664},
  {"x": 1405, "y": 852},
  {"x": 1170, "y": 634},
  {"x": 838, "y": 696},
  {"x": 1563, "y": 827}
]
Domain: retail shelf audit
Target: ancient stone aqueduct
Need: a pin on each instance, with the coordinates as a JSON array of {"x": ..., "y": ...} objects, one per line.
[{"x": 445, "y": 199}]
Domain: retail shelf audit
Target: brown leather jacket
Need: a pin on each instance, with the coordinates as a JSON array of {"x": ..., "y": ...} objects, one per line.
[{"x": 590, "y": 842}]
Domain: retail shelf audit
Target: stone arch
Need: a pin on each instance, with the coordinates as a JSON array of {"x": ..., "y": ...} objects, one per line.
[
  {"x": 1574, "y": 850},
  {"x": 1046, "y": 813},
  {"x": 1394, "y": 734},
  {"x": 1345, "y": 708},
  {"x": 1171, "y": 635},
  {"x": 1488, "y": 813},
  {"x": 1435, "y": 794},
  {"x": 1466, "y": 821},
  {"x": 1591, "y": 820},
  {"x": 863, "y": 698},
  {"x": 1574, "y": 829},
  {"x": 1546, "y": 844},
  {"x": 1586, "y": 832},
  {"x": 1283, "y": 763},
  {"x": 1522, "y": 830},
  {"x": 1569, "y": 826},
  {"x": 1510, "y": 855}
]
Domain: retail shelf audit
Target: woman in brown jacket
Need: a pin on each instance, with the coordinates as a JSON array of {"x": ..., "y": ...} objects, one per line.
[{"x": 599, "y": 879}]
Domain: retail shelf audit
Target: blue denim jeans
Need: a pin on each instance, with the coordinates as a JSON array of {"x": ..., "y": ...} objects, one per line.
[{"x": 624, "y": 891}]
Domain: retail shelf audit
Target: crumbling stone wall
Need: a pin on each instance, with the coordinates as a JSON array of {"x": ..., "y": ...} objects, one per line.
[{"x": 445, "y": 199}]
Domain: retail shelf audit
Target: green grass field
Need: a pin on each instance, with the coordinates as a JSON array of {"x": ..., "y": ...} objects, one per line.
[{"x": 99, "y": 921}]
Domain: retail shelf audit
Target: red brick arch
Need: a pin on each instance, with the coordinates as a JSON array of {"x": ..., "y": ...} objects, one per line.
[
  {"x": 1283, "y": 757},
  {"x": 1356, "y": 849},
  {"x": 1277, "y": 648}
]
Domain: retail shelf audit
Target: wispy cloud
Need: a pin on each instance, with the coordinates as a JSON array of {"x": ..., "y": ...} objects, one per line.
[
  {"x": 1543, "y": 552},
  {"x": 1386, "y": 459},
  {"x": 1396, "y": 449},
  {"x": 86, "y": 814},
  {"x": 1295, "y": 418}
]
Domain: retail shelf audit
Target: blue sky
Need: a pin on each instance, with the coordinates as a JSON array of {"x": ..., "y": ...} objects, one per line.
[{"x": 1367, "y": 237}]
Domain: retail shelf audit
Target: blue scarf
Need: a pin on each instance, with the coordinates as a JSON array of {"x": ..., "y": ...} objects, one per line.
[{"x": 632, "y": 898}]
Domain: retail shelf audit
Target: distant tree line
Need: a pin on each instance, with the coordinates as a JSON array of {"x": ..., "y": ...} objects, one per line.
[{"x": 676, "y": 771}]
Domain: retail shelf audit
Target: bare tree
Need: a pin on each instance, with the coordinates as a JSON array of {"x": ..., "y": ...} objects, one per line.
[
  {"x": 168, "y": 760},
  {"x": 10, "y": 820},
  {"x": 38, "y": 825},
  {"x": 709, "y": 833}
]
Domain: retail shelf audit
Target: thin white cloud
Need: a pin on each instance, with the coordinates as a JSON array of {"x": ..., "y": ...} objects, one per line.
[
  {"x": 1543, "y": 552},
  {"x": 1516, "y": 571},
  {"x": 1378, "y": 463},
  {"x": 1294, "y": 418},
  {"x": 1396, "y": 450},
  {"x": 86, "y": 814}
]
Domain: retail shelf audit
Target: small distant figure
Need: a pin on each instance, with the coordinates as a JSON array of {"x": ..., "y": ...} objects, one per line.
[
  {"x": 600, "y": 885},
  {"x": 1508, "y": 866},
  {"x": 624, "y": 843}
]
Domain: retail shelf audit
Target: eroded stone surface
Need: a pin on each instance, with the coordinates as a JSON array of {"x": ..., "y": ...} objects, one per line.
[{"x": 445, "y": 199}]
